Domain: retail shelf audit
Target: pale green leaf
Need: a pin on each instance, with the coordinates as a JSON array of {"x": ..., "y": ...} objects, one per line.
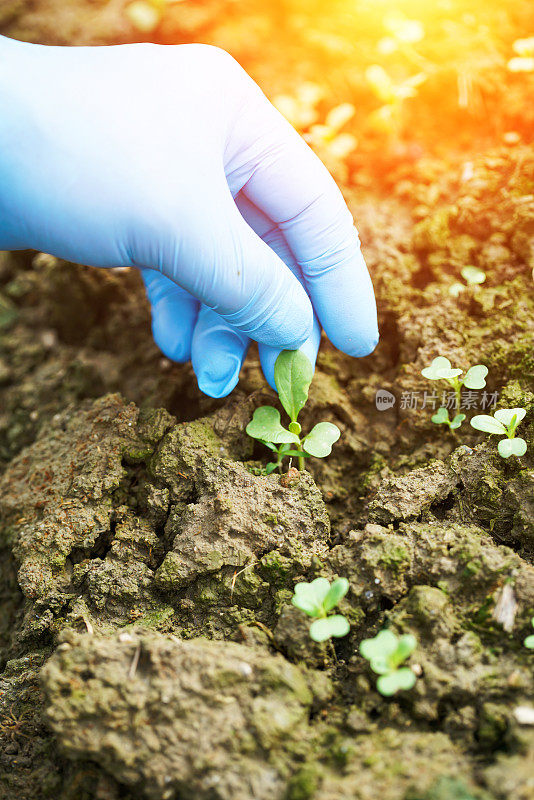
[
  {"x": 293, "y": 373},
  {"x": 457, "y": 421},
  {"x": 387, "y": 684},
  {"x": 529, "y": 642},
  {"x": 438, "y": 364},
  {"x": 337, "y": 591},
  {"x": 483, "y": 422},
  {"x": 327, "y": 627},
  {"x": 380, "y": 665},
  {"x": 455, "y": 289},
  {"x": 381, "y": 645},
  {"x": 473, "y": 275},
  {"x": 506, "y": 415},
  {"x": 265, "y": 424},
  {"x": 475, "y": 377},
  {"x": 441, "y": 416},
  {"x": 393, "y": 682},
  {"x": 405, "y": 647},
  {"x": 512, "y": 447},
  {"x": 309, "y": 597},
  {"x": 319, "y": 441},
  {"x": 449, "y": 374}
]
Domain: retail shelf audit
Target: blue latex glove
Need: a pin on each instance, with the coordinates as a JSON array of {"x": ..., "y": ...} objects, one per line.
[{"x": 171, "y": 159}]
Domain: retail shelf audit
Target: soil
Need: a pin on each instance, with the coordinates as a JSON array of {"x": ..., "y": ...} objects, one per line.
[{"x": 148, "y": 645}]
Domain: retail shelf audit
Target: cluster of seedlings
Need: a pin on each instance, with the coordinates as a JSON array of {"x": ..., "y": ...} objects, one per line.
[
  {"x": 503, "y": 422},
  {"x": 385, "y": 653},
  {"x": 293, "y": 373}
]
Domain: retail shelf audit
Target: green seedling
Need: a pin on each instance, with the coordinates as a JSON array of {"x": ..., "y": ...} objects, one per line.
[
  {"x": 441, "y": 370},
  {"x": 385, "y": 653},
  {"x": 473, "y": 276},
  {"x": 317, "y": 599},
  {"x": 503, "y": 422},
  {"x": 529, "y": 641},
  {"x": 441, "y": 417},
  {"x": 293, "y": 373}
]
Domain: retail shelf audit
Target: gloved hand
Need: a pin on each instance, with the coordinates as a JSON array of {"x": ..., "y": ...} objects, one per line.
[{"x": 133, "y": 155}]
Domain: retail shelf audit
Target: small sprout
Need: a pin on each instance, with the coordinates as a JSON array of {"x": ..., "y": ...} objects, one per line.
[
  {"x": 441, "y": 417},
  {"x": 441, "y": 370},
  {"x": 473, "y": 276},
  {"x": 316, "y": 599},
  {"x": 456, "y": 288},
  {"x": 385, "y": 653},
  {"x": 293, "y": 374},
  {"x": 529, "y": 641},
  {"x": 504, "y": 423}
]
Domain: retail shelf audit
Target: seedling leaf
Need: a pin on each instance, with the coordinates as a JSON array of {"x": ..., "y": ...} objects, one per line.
[
  {"x": 441, "y": 416},
  {"x": 483, "y": 422},
  {"x": 438, "y": 363},
  {"x": 529, "y": 642},
  {"x": 512, "y": 447},
  {"x": 323, "y": 629},
  {"x": 405, "y": 647},
  {"x": 389, "y": 684},
  {"x": 337, "y": 591},
  {"x": 293, "y": 373},
  {"x": 265, "y": 425},
  {"x": 320, "y": 439},
  {"x": 455, "y": 289},
  {"x": 475, "y": 377},
  {"x": 506, "y": 415},
  {"x": 457, "y": 421},
  {"x": 440, "y": 369},
  {"x": 473, "y": 275},
  {"x": 309, "y": 597},
  {"x": 382, "y": 645}
]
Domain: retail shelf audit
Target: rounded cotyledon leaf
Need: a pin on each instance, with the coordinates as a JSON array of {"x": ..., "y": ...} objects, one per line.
[
  {"x": 293, "y": 373},
  {"x": 320, "y": 439},
  {"x": 457, "y": 421},
  {"x": 441, "y": 416},
  {"x": 455, "y": 289},
  {"x": 483, "y": 422},
  {"x": 475, "y": 377},
  {"x": 405, "y": 646},
  {"x": 265, "y": 424},
  {"x": 512, "y": 447},
  {"x": 506, "y": 415},
  {"x": 380, "y": 646},
  {"x": 380, "y": 665},
  {"x": 323, "y": 629},
  {"x": 393, "y": 682},
  {"x": 440, "y": 369},
  {"x": 473, "y": 275},
  {"x": 337, "y": 591},
  {"x": 309, "y": 597}
]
